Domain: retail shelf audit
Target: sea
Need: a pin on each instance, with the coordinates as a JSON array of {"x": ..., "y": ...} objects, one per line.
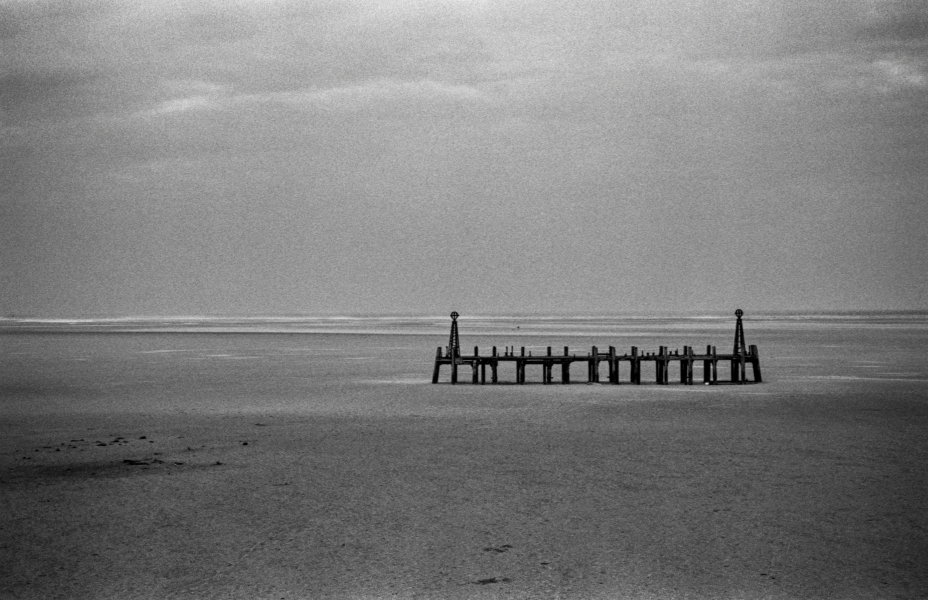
[{"x": 265, "y": 363}]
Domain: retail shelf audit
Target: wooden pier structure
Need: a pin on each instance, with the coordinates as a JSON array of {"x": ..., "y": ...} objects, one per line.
[{"x": 741, "y": 357}]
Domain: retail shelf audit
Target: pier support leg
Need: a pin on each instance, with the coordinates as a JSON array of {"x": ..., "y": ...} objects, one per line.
[
  {"x": 689, "y": 365},
  {"x": 683, "y": 364},
  {"x": 613, "y": 366},
  {"x": 565, "y": 369},
  {"x": 636, "y": 366},
  {"x": 659, "y": 367},
  {"x": 707, "y": 367},
  {"x": 437, "y": 365},
  {"x": 755, "y": 364},
  {"x": 594, "y": 365},
  {"x": 548, "y": 368}
]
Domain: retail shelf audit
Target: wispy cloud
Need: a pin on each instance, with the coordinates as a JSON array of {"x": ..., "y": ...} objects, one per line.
[
  {"x": 374, "y": 94},
  {"x": 183, "y": 105},
  {"x": 377, "y": 96},
  {"x": 902, "y": 74}
]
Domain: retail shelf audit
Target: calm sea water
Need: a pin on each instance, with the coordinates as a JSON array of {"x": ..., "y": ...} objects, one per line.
[{"x": 206, "y": 364}]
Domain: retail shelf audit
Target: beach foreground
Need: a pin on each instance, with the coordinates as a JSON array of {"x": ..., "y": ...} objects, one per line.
[{"x": 125, "y": 477}]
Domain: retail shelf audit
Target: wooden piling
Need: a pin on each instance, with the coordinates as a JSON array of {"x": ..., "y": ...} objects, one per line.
[
  {"x": 594, "y": 366},
  {"x": 755, "y": 364},
  {"x": 437, "y": 365},
  {"x": 659, "y": 366},
  {"x": 565, "y": 367},
  {"x": 636, "y": 366},
  {"x": 683, "y": 363},
  {"x": 707, "y": 366}
]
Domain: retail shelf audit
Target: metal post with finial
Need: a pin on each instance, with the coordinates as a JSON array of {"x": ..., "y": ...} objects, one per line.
[
  {"x": 454, "y": 347},
  {"x": 739, "y": 334},
  {"x": 737, "y": 363}
]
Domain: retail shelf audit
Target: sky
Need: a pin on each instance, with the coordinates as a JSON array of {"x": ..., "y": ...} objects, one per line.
[{"x": 278, "y": 157}]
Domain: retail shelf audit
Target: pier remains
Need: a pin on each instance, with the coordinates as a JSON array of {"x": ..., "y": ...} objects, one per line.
[{"x": 740, "y": 358}]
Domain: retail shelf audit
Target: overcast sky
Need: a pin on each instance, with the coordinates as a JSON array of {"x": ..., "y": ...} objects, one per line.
[{"x": 489, "y": 156}]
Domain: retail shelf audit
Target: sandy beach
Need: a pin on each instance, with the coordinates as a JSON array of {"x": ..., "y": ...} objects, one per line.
[{"x": 259, "y": 480}]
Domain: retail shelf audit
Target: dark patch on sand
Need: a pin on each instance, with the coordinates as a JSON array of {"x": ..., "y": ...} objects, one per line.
[
  {"x": 490, "y": 580},
  {"x": 115, "y": 468}
]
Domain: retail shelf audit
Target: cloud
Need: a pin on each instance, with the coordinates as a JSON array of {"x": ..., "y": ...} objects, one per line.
[
  {"x": 848, "y": 74},
  {"x": 899, "y": 20},
  {"x": 380, "y": 96},
  {"x": 180, "y": 105},
  {"x": 901, "y": 74},
  {"x": 376, "y": 95}
]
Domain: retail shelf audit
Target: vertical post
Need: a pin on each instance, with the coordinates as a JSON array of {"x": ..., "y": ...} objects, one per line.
[
  {"x": 666, "y": 365},
  {"x": 565, "y": 368},
  {"x": 659, "y": 366},
  {"x": 683, "y": 364},
  {"x": 739, "y": 334},
  {"x": 594, "y": 365},
  {"x": 454, "y": 347},
  {"x": 689, "y": 365},
  {"x": 707, "y": 366},
  {"x": 737, "y": 362},
  {"x": 755, "y": 364},
  {"x": 715, "y": 366},
  {"x": 437, "y": 365},
  {"x": 666, "y": 370},
  {"x": 613, "y": 366},
  {"x": 548, "y": 368},
  {"x": 636, "y": 366}
]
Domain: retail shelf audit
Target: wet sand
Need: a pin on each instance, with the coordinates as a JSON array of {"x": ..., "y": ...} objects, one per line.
[
  {"x": 534, "y": 492},
  {"x": 272, "y": 467}
]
